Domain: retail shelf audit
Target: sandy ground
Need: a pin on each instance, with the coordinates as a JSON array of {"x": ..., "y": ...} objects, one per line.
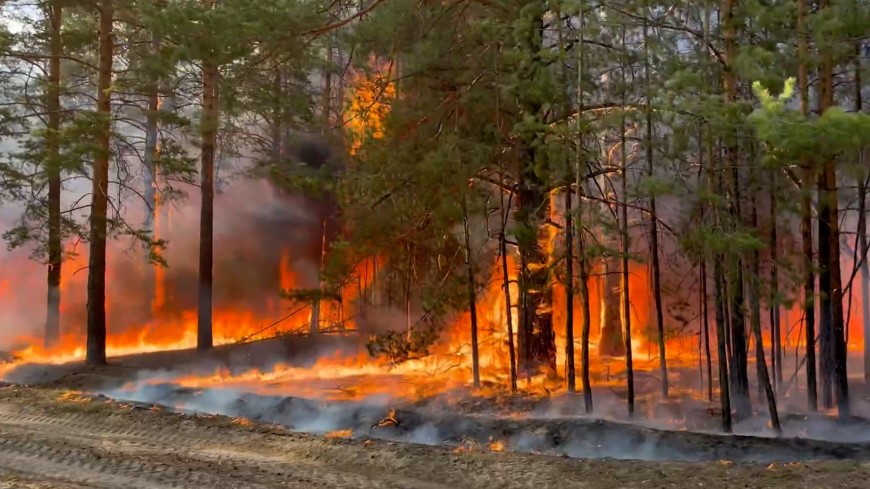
[{"x": 51, "y": 438}]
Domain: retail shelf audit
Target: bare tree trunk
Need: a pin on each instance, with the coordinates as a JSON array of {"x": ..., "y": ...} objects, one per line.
[
  {"x": 53, "y": 167},
  {"x": 210, "y": 78},
  {"x": 582, "y": 262},
  {"x": 626, "y": 249},
  {"x": 569, "y": 294},
  {"x": 865, "y": 272},
  {"x": 807, "y": 217},
  {"x": 96, "y": 343},
  {"x": 472, "y": 298},
  {"x": 829, "y": 257},
  {"x": 862, "y": 224},
  {"x": 502, "y": 244},
  {"x": 705, "y": 318},
  {"x": 724, "y": 387},
  {"x": 775, "y": 326},
  {"x": 654, "y": 226},
  {"x": 755, "y": 323},
  {"x": 740, "y": 379}
]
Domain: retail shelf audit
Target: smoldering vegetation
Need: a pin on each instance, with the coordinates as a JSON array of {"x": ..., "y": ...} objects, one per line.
[{"x": 545, "y": 430}]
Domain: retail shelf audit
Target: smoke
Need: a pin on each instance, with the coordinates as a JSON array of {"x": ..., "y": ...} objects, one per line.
[
  {"x": 428, "y": 423},
  {"x": 256, "y": 228}
]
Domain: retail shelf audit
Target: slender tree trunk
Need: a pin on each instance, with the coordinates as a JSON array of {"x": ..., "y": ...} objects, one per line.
[
  {"x": 740, "y": 379},
  {"x": 582, "y": 262},
  {"x": 569, "y": 294},
  {"x": 755, "y": 323},
  {"x": 502, "y": 244},
  {"x": 865, "y": 272},
  {"x": 149, "y": 180},
  {"x": 53, "y": 167},
  {"x": 210, "y": 77},
  {"x": 829, "y": 229},
  {"x": 654, "y": 226},
  {"x": 626, "y": 249},
  {"x": 472, "y": 298},
  {"x": 96, "y": 343},
  {"x": 862, "y": 225},
  {"x": 705, "y": 318},
  {"x": 724, "y": 387},
  {"x": 775, "y": 326},
  {"x": 807, "y": 217}
]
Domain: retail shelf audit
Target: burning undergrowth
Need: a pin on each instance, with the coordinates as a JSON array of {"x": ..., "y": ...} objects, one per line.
[{"x": 428, "y": 422}]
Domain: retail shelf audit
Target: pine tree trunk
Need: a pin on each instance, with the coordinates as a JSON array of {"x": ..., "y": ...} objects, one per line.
[
  {"x": 775, "y": 326},
  {"x": 626, "y": 248},
  {"x": 582, "y": 262},
  {"x": 472, "y": 298},
  {"x": 740, "y": 379},
  {"x": 654, "y": 226},
  {"x": 570, "y": 374},
  {"x": 865, "y": 272},
  {"x": 807, "y": 217},
  {"x": 862, "y": 225},
  {"x": 502, "y": 245},
  {"x": 705, "y": 318},
  {"x": 210, "y": 76},
  {"x": 96, "y": 342},
  {"x": 53, "y": 164},
  {"x": 149, "y": 176},
  {"x": 755, "y": 323},
  {"x": 720, "y": 299}
]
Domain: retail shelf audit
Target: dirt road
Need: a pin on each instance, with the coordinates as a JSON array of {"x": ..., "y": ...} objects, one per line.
[{"x": 58, "y": 439}]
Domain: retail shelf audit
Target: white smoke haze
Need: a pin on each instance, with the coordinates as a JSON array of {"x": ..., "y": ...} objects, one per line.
[{"x": 546, "y": 429}]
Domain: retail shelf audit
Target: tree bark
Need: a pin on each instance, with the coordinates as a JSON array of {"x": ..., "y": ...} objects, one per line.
[
  {"x": 829, "y": 230},
  {"x": 740, "y": 379},
  {"x": 96, "y": 342},
  {"x": 472, "y": 298},
  {"x": 807, "y": 217},
  {"x": 53, "y": 169},
  {"x": 705, "y": 318},
  {"x": 654, "y": 227},
  {"x": 569, "y": 294},
  {"x": 775, "y": 326},
  {"x": 502, "y": 245},
  {"x": 626, "y": 248},
  {"x": 755, "y": 323},
  {"x": 724, "y": 387},
  {"x": 210, "y": 77}
]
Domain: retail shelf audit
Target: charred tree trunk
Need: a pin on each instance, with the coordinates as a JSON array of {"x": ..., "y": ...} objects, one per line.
[
  {"x": 865, "y": 272},
  {"x": 582, "y": 262},
  {"x": 705, "y": 321},
  {"x": 724, "y": 387},
  {"x": 832, "y": 327},
  {"x": 775, "y": 326},
  {"x": 654, "y": 226},
  {"x": 569, "y": 294},
  {"x": 834, "y": 353},
  {"x": 755, "y": 323},
  {"x": 536, "y": 340},
  {"x": 502, "y": 248},
  {"x": 96, "y": 343},
  {"x": 862, "y": 222},
  {"x": 807, "y": 218},
  {"x": 626, "y": 248},
  {"x": 53, "y": 167},
  {"x": 740, "y": 379},
  {"x": 210, "y": 77},
  {"x": 472, "y": 298}
]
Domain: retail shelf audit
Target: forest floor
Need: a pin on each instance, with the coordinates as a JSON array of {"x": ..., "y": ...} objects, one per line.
[{"x": 56, "y": 438}]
